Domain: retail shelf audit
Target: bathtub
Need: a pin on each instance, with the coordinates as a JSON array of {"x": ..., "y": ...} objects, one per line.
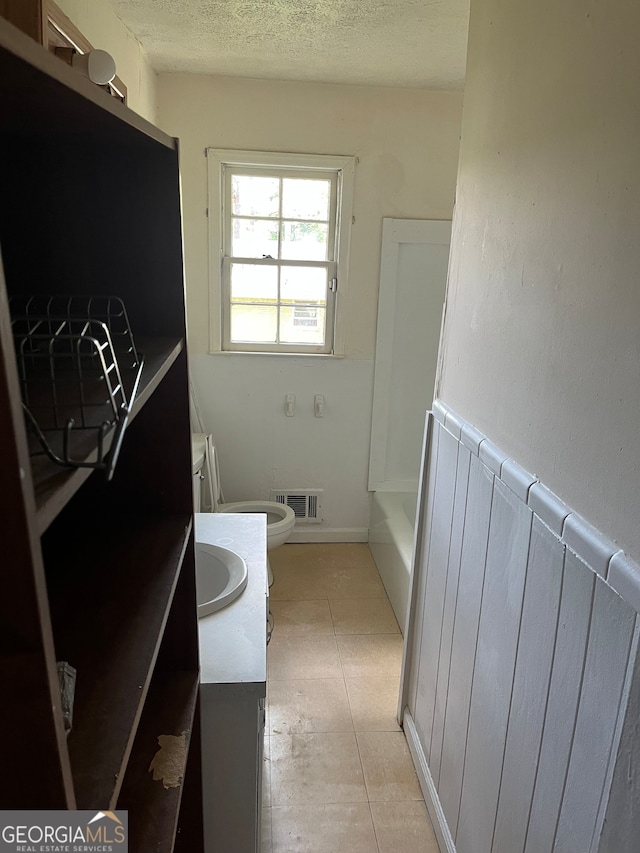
[{"x": 391, "y": 542}]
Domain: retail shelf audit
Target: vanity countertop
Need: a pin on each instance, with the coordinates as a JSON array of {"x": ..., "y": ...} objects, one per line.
[{"x": 233, "y": 641}]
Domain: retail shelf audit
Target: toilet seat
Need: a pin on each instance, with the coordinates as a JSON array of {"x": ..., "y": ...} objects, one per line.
[{"x": 277, "y": 531}]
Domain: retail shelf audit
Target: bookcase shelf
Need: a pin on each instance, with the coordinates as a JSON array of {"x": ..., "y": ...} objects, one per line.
[
  {"x": 97, "y": 573},
  {"x": 169, "y": 710}
]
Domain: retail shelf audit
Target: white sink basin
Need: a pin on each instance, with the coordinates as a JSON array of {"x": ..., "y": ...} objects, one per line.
[{"x": 221, "y": 576}]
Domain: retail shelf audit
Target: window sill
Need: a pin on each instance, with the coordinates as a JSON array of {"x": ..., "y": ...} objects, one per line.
[{"x": 313, "y": 355}]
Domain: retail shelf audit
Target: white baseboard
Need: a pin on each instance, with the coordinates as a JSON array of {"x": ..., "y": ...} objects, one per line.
[
  {"x": 432, "y": 801},
  {"x": 331, "y": 534}
]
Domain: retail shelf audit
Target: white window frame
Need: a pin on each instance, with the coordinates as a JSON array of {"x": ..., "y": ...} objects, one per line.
[{"x": 343, "y": 168}]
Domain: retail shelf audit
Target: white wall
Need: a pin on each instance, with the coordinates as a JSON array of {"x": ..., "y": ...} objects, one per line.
[
  {"x": 261, "y": 449},
  {"x": 541, "y": 347},
  {"x": 97, "y": 21},
  {"x": 407, "y": 142}
]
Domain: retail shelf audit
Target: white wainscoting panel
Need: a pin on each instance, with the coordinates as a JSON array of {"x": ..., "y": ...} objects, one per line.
[
  {"x": 465, "y": 637},
  {"x": 612, "y": 624},
  {"x": 436, "y": 580},
  {"x": 530, "y": 688},
  {"x": 509, "y": 537},
  {"x": 449, "y": 610},
  {"x": 562, "y": 705},
  {"x": 413, "y": 635},
  {"x": 621, "y": 828},
  {"x": 521, "y": 671}
]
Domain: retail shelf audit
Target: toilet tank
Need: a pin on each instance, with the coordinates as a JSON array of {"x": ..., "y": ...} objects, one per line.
[{"x": 198, "y": 441}]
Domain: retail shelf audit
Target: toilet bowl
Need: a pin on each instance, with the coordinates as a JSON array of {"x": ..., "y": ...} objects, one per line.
[{"x": 280, "y": 517}]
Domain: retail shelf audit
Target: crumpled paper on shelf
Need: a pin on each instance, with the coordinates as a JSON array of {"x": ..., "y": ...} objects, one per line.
[{"x": 169, "y": 761}]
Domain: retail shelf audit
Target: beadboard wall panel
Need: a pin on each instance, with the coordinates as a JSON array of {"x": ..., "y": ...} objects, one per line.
[
  {"x": 465, "y": 636},
  {"x": 509, "y": 537},
  {"x": 413, "y": 635},
  {"x": 530, "y": 688},
  {"x": 436, "y": 578},
  {"x": 612, "y": 625},
  {"x": 621, "y": 828},
  {"x": 450, "y": 599},
  {"x": 562, "y": 705},
  {"x": 521, "y": 660}
]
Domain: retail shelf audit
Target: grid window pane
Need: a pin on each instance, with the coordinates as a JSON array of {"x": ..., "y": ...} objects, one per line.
[
  {"x": 254, "y": 324},
  {"x": 283, "y": 223},
  {"x": 305, "y": 199},
  {"x": 252, "y": 195},
  {"x": 304, "y": 241},
  {"x": 254, "y": 283},
  {"x": 303, "y": 284},
  {"x": 302, "y": 324},
  {"x": 254, "y": 238}
]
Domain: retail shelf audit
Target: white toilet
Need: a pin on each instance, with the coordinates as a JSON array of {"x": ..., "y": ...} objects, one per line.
[{"x": 280, "y": 518}]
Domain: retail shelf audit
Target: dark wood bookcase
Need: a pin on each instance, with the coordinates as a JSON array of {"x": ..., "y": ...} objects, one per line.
[{"x": 96, "y": 573}]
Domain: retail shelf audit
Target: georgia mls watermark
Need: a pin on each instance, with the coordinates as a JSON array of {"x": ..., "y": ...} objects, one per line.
[{"x": 63, "y": 832}]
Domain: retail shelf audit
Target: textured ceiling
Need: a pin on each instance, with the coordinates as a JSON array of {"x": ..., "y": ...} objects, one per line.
[{"x": 413, "y": 43}]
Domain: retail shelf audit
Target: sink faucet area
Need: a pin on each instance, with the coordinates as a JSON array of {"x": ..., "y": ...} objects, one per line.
[{"x": 221, "y": 576}]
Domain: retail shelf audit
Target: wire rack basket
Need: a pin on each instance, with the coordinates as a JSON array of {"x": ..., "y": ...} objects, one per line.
[{"x": 79, "y": 372}]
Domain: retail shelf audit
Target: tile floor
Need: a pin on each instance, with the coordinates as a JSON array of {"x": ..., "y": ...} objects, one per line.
[{"x": 338, "y": 774}]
